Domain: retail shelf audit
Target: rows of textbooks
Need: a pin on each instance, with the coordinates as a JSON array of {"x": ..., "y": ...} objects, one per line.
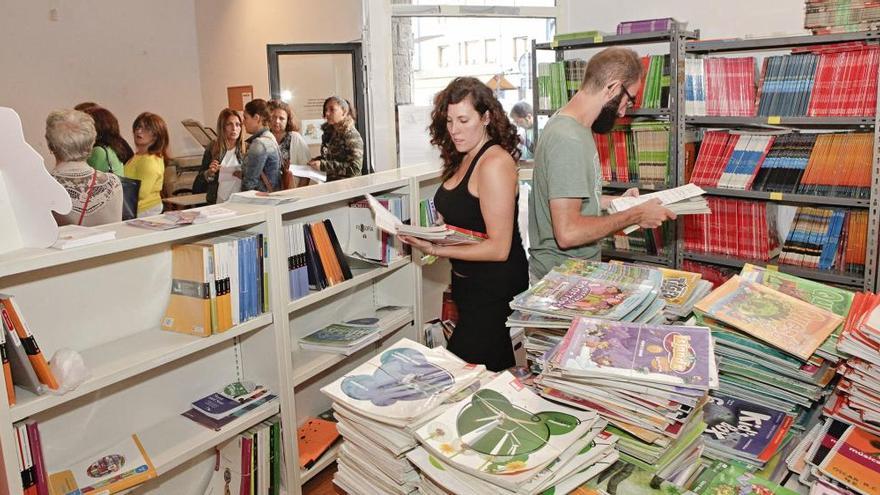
[
  {"x": 827, "y": 239},
  {"x": 637, "y": 151},
  {"x": 744, "y": 229},
  {"x": 315, "y": 259},
  {"x": 817, "y": 81},
  {"x": 841, "y": 16},
  {"x": 833, "y": 164},
  {"x": 559, "y": 81},
  {"x": 250, "y": 463},
  {"x": 217, "y": 284}
]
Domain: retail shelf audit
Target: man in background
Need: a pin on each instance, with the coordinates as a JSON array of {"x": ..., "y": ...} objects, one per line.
[{"x": 521, "y": 115}]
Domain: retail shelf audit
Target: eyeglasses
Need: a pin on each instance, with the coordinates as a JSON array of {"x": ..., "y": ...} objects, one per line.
[{"x": 631, "y": 100}]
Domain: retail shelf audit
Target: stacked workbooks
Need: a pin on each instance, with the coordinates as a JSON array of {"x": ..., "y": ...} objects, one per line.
[
  {"x": 682, "y": 200},
  {"x": 856, "y": 398},
  {"x": 237, "y": 399},
  {"x": 380, "y": 404},
  {"x": 742, "y": 430},
  {"x": 841, "y": 16},
  {"x": 827, "y": 239},
  {"x": 769, "y": 329},
  {"x": 681, "y": 290},
  {"x": 350, "y": 336},
  {"x": 505, "y": 439},
  {"x": 649, "y": 381},
  {"x": 720, "y": 86},
  {"x": 635, "y": 152},
  {"x": 649, "y": 25},
  {"x": 217, "y": 283}
]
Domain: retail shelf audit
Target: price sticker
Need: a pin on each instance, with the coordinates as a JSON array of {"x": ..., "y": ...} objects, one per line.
[
  {"x": 774, "y": 119},
  {"x": 776, "y": 196}
]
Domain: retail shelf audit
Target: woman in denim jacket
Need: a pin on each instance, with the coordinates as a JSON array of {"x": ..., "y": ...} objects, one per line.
[{"x": 261, "y": 169}]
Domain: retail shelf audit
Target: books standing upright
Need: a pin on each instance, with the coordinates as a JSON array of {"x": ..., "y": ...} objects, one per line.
[{"x": 15, "y": 322}]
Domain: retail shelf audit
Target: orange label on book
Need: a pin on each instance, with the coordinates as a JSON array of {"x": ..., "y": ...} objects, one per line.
[
  {"x": 776, "y": 196},
  {"x": 774, "y": 119},
  {"x": 597, "y": 39}
]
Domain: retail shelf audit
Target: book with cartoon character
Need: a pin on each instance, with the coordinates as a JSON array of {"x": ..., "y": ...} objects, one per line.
[
  {"x": 785, "y": 322},
  {"x": 676, "y": 355}
]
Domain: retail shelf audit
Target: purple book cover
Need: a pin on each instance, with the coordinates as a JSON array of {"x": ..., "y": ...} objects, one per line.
[
  {"x": 656, "y": 353},
  {"x": 645, "y": 26},
  {"x": 751, "y": 429},
  {"x": 217, "y": 424}
]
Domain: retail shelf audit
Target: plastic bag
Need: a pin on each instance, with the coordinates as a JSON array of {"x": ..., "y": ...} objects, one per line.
[{"x": 69, "y": 369}]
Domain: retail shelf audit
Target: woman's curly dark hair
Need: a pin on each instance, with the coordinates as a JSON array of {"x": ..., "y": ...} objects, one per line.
[{"x": 500, "y": 129}]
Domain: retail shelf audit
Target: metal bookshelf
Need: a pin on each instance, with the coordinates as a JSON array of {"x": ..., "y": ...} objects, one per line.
[
  {"x": 869, "y": 280},
  {"x": 616, "y": 254},
  {"x": 676, "y": 39}
]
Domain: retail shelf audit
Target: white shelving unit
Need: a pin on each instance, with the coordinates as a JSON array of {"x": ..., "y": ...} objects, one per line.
[{"x": 106, "y": 301}]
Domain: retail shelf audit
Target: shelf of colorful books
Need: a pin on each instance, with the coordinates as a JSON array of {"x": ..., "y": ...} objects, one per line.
[
  {"x": 648, "y": 186},
  {"x": 360, "y": 276},
  {"x": 616, "y": 254},
  {"x": 633, "y": 112},
  {"x": 599, "y": 40},
  {"x": 178, "y": 439},
  {"x": 128, "y": 238},
  {"x": 799, "y": 199},
  {"x": 115, "y": 361},
  {"x": 829, "y": 276},
  {"x": 325, "y": 460},
  {"x": 775, "y": 122},
  {"x": 309, "y": 364},
  {"x": 741, "y": 45}
]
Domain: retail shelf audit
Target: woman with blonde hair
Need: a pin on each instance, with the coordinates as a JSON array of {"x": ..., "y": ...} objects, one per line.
[
  {"x": 220, "y": 174},
  {"x": 148, "y": 163}
]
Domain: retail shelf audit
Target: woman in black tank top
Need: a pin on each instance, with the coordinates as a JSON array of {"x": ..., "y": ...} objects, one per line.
[{"x": 479, "y": 147}]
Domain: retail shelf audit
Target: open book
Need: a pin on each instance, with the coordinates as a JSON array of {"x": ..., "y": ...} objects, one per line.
[
  {"x": 443, "y": 235},
  {"x": 683, "y": 200}
]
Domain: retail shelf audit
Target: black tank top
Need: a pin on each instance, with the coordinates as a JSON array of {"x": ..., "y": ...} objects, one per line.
[{"x": 461, "y": 209}]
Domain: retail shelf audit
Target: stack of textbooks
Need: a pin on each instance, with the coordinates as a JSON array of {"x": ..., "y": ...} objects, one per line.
[
  {"x": 833, "y": 164},
  {"x": 218, "y": 409},
  {"x": 856, "y": 399},
  {"x": 250, "y": 463},
  {"x": 505, "y": 439},
  {"x": 649, "y": 25},
  {"x": 635, "y": 152},
  {"x": 315, "y": 259},
  {"x": 217, "y": 284},
  {"x": 649, "y": 382},
  {"x": 744, "y": 229},
  {"x": 827, "y": 239},
  {"x": 681, "y": 290},
  {"x": 747, "y": 432},
  {"x": 720, "y": 86},
  {"x": 371, "y": 236},
  {"x": 559, "y": 81},
  {"x": 380, "y": 404},
  {"x": 841, "y": 16}
]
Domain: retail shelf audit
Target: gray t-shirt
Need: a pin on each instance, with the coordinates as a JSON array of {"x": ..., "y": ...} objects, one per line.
[{"x": 566, "y": 166}]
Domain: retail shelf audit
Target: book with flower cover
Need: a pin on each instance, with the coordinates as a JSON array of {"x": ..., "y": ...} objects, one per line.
[
  {"x": 510, "y": 434},
  {"x": 675, "y": 355},
  {"x": 778, "y": 319}
]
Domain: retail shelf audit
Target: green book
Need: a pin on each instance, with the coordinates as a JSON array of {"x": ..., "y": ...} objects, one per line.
[{"x": 723, "y": 477}]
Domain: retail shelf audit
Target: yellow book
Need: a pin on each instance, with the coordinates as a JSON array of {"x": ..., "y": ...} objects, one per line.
[
  {"x": 221, "y": 292},
  {"x": 192, "y": 273},
  {"x": 114, "y": 469}
]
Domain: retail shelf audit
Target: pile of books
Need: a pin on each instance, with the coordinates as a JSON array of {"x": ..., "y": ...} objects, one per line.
[
  {"x": 841, "y": 16},
  {"x": 637, "y": 151},
  {"x": 833, "y": 164},
  {"x": 251, "y": 463},
  {"x": 217, "y": 284},
  {"x": 681, "y": 290},
  {"x": 744, "y": 431},
  {"x": 682, "y": 200},
  {"x": 827, "y": 239},
  {"x": 649, "y": 382},
  {"x": 649, "y": 25},
  {"x": 218, "y": 409},
  {"x": 503, "y": 438},
  {"x": 740, "y": 228},
  {"x": 380, "y": 404},
  {"x": 352, "y": 335}
]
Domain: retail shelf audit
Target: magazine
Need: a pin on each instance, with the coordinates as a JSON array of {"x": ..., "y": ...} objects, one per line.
[
  {"x": 339, "y": 337},
  {"x": 743, "y": 429},
  {"x": 114, "y": 469}
]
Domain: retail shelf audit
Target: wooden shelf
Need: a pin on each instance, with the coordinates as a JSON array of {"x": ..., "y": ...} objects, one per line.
[
  {"x": 360, "y": 276},
  {"x": 325, "y": 460},
  {"x": 309, "y": 364},
  {"x": 129, "y": 356},
  {"x": 127, "y": 238}
]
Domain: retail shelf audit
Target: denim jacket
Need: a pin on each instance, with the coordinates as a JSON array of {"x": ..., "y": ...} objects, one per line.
[{"x": 263, "y": 156}]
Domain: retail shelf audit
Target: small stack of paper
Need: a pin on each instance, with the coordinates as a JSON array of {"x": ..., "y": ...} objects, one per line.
[{"x": 683, "y": 200}]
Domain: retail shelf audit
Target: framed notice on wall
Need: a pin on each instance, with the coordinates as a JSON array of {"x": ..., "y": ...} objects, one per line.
[{"x": 239, "y": 96}]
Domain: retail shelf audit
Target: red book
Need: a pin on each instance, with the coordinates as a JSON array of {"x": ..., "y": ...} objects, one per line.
[
  {"x": 42, "y": 480},
  {"x": 246, "y": 452},
  {"x": 619, "y": 139}
]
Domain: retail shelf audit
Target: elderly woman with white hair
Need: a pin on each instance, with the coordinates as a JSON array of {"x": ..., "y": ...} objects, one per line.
[{"x": 96, "y": 196}]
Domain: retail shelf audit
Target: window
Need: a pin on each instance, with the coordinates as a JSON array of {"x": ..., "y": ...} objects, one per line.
[
  {"x": 443, "y": 55},
  {"x": 472, "y": 53},
  {"x": 520, "y": 47},
  {"x": 491, "y": 51}
]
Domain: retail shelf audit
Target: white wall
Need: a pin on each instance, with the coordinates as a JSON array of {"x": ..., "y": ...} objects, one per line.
[
  {"x": 127, "y": 56},
  {"x": 714, "y": 18},
  {"x": 233, "y": 34}
]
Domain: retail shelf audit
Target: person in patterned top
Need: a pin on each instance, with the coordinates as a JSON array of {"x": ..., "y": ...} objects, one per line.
[{"x": 342, "y": 148}]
